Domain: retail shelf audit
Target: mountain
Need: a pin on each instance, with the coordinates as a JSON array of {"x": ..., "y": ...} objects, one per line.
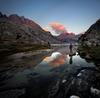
[
  {"x": 92, "y": 35},
  {"x": 68, "y": 37},
  {"x": 16, "y": 28},
  {"x": 22, "y": 20}
]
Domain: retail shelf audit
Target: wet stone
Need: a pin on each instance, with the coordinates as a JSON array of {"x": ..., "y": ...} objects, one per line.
[
  {"x": 14, "y": 93},
  {"x": 79, "y": 85}
]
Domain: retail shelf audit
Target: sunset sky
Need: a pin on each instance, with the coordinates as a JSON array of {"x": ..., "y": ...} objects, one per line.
[{"x": 75, "y": 15}]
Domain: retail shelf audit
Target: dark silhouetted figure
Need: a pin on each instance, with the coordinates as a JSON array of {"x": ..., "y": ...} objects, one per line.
[
  {"x": 49, "y": 44},
  {"x": 71, "y": 47}
]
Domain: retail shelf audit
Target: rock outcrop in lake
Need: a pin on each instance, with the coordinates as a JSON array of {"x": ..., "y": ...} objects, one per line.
[
  {"x": 16, "y": 28},
  {"x": 92, "y": 35}
]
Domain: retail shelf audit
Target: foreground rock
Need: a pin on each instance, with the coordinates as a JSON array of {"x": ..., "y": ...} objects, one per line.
[
  {"x": 79, "y": 84},
  {"x": 75, "y": 84},
  {"x": 15, "y": 93}
]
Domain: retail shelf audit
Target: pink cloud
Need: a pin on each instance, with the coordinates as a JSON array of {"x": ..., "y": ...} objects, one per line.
[{"x": 57, "y": 27}]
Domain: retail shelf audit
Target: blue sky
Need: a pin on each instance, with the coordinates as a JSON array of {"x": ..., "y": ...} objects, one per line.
[{"x": 75, "y": 15}]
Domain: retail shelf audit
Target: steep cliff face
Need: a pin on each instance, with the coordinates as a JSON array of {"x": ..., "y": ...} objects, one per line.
[
  {"x": 22, "y": 20},
  {"x": 14, "y": 28},
  {"x": 92, "y": 35}
]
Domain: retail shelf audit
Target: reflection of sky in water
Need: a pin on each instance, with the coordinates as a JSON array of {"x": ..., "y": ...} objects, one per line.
[
  {"x": 61, "y": 61},
  {"x": 78, "y": 61},
  {"x": 56, "y": 59},
  {"x": 55, "y": 64}
]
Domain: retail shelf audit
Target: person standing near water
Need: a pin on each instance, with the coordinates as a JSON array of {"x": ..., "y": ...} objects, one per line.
[
  {"x": 71, "y": 53},
  {"x": 71, "y": 47}
]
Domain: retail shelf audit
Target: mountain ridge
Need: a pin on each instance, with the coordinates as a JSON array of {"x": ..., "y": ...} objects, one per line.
[
  {"x": 69, "y": 37},
  {"x": 20, "y": 29},
  {"x": 92, "y": 35}
]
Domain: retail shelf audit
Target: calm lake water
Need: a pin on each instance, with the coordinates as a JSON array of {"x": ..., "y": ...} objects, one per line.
[{"x": 32, "y": 74}]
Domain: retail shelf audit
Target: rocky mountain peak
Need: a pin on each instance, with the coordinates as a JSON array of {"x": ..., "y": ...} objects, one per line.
[
  {"x": 92, "y": 35},
  {"x": 98, "y": 21},
  {"x": 2, "y": 15},
  {"x": 22, "y": 20},
  {"x": 16, "y": 28}
]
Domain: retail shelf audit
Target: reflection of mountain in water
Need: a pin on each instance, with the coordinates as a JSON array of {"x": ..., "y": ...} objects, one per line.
[
  {"x": 15, "y": 68},
  {"x": 28, "y": 59}
]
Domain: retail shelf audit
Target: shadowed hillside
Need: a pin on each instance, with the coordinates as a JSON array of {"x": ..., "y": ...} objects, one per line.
[
  {"x": 92, "y": 35},
  {"x": 14, "y": 28}
]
